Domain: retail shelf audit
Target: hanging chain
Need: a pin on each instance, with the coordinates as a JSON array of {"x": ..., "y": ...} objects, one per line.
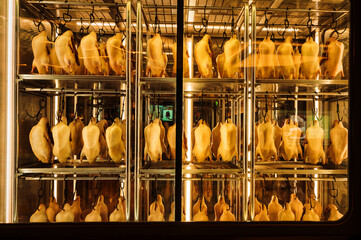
[
  {"x": 232, "y": 23},
  {"x": 91, "y": 15},
  {"x": 338, "y": 111},
  {"x": 266, "y": 108},
  {"x": 266, "y": 22},
  {"x": 42, "y": 105},
  {"x": 42, "y": 17},
  {"x": 61, "y": 104},
  {"x": 309, "y": 23},
  {"x": 65, "y": 193},
  {"x": 310, "y": 190},
  {"x": 204, "y": 24},
  {"x": 334, "y": 193},
  {"x": 66, "y": 16},
  {"x": 315, "y": 110},
  {"x": 286, "y": 23},
  {"x": 156, "y": 21}
]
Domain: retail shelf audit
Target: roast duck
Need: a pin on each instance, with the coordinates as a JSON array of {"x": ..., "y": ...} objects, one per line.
[
  {"x": 337, "y": 151},
  {"x": 202, "y": 142},
  {"x": 286, "y": 60},
  {"x": 310, "y": 63},
  {"x": 156, "y": 210},
  {"x": 232, "y": 62},
  {"x": 114, "y": 140},
  {"x": 154, "y": 135},
  {"x": 116, "y": 53},
  {"x": 314, "y": 144},
  {"x": 266, "y": 147},
  {"x": 333, "y": 65},
  {"x": 39, "y": 215},
  {"x": 200, "y": 211},
  {"x": 203, "y": 56},
  {"x": 157, "y": 60},
  {"x": 91, "y": 138},
  {"x": 296, "y": 207},
  {"x": 185, "y": 59},
  {"x": 274, "y": 209},
  {"x": 40, "y": 141},
  {"x": 76, "y": 138},
  {"x": 61, "y": 135},
  {"x": 118, "y": 215},
  {"x": 224, "y": 141},
  {"x": 286, "y": 214},
  {"x": 171, "y": 137},
  {"x": 263, "y": 215},
  {"x": 222, "y": 211},
  {"x": 334, "y": 213},
  {"x": 172, "y": 213},
  {"x": 40, "y": 46},
  {"x": 91, "y": 56},
  {"x": 65, "y": 215},
  {"x": 66, "y": 53},
  {"x": 290, "y": 147},
  {"x": 266, "y": 59}
]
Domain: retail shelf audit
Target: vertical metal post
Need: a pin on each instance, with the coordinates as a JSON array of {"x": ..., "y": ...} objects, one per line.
[
  {"x": 137, "y": 118},
  {"x": 245, "y": 117},
  {"x": 252, "y": 122},
  {"x": 129, "y": 104},
  {"x": 179, "y": 112}
]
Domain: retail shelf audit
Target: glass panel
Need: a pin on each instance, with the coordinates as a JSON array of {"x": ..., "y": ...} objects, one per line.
[
  {"x": 301, "y": 111},
  {"x": 213, "y": 178},
  {"x": 73, "y": 111},
  {"x": 155, "y": 115}
]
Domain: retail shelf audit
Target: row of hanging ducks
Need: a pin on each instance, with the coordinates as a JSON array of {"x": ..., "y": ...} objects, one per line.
[
  {"x": 66, "y": 142},
  {"x": 285, "y": 62},
  {"x": 73, "y": 213},
  {"x": 90, "y": 57},
  {"x": 273, "y": 142},
  {"x": 294, "y": 210},
  {"x": 221, "y": 141}
]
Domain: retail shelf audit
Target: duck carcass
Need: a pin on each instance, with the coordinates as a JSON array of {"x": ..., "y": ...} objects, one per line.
[
  {"x": 75, "y": 208},
  {"x": 296, "y": 207},
  {"x": 286, "y": 214},
  {"x": 228, "y": 145},
  {"x": 218, "y": 208},
  {"x": 202, "y": 142},
  {"x": 92, "y": 59},
  {"x": 297, "y": 62},
  {"x": 277, "y": 137},
  {"x": 203, "y": 56},
  {"x": 172, "y": 214},
  {"x": 227, "y": 215},
  {"x": 266, "y": 59},
  {"x": 334, "y": 213},
  {"x": 61, "y": 136},
  {"x": 118, "y": 215},
  {"x": 65, "y": 215},
  {"x": 54, "y": 62},
  {"x": 314, "y": 146},
  {"x": 116, "y": 52},
  {"x": 94, "y": 216},
  {"x": 220, "y": 64},
  {"x": 102, "y": 208},
  {"x": 185, "y": 59},
  {"x": 333, "y": 64},
  {"x": 104, "y": 59},
  {"x": 310, "y": 64},
  {"x": 76, "y": 138},
  {"x": 266, "y": 148},
  {"x": 52, "y": 210},
  {"x": 114, "y": 141},
  {"x": 274, "y": 208},
  {"x": 285, "y": 59},
  {"x": 154, "y": 135},
  {"x": 66, "y": 52},
  {"x": 157, "y": 60},
  {"x": 171, "y": 137},
  {"x": 289, "y": 147},
  {"x": 156, "y": 210},
  {"x": 40, "y": 141},
  {"x": 216, "y": 138},
  {"x": 91, "y": 135},
  {"x": 39, "y": 215},
  {"x": 337, "y": 150},
  {"x": 200, "y": 211},
  {"x": 262, "y": 216},
  {"x": 40, "y": 46},
  {"x": 310, "y": 215},
  {"x": 317, "y": 206},
  {"x": 232, "y": 60}
]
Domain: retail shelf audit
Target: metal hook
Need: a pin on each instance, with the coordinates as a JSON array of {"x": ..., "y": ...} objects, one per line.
[
  {"x": 42, "y": 105},
  {"x": 309, "y": 23},
  {"x": 338, "y": 110},
  {"x": 67, "y": 17}
]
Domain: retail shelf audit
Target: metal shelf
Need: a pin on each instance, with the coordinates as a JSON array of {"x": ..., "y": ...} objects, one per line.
[
  {"x": 73, "y": 170},
  {"x": 323, "y": 179},
  {"x": 303, "y": 81},
  {"x": 167, "y": 167},
  {"x": 70, "y": 178},
  {"x": 151, "y": 80},
  {"x": 77, "y": 78},
  {"x": 302, "y": 171}
]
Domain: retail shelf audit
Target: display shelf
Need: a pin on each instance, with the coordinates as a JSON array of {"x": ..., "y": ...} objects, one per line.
[
  {"x": 78, "y": 78},
  {"x": 104, "y": 168},
  {"x": 167, "y": 167},
  {"x": 303, "y": 81},
  {"x": 323, "y": 179}
]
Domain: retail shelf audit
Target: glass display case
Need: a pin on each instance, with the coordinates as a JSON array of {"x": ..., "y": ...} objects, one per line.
[{"x": 261, "y": 89}]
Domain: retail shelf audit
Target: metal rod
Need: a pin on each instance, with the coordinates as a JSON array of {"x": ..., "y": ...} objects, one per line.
[
  {"x": 129, "y": 108},
  {"x": 301, "y": 10},
  {"x": 72, "y": 178},
  {"x": 303, "y": 93},
  {"x": 179, "y": 111},
  {"x": 218, "y": 179},
  {"x": 192, "y": 7},
  {"x": 245, "y": 117},
  {"x": 79, "y": 3},
  {"x": 79, "y": 78},
  {"x": 137, "y": 118},
  {"x": 301, "y": 179},
  {"x": 72, "y": 90}
]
